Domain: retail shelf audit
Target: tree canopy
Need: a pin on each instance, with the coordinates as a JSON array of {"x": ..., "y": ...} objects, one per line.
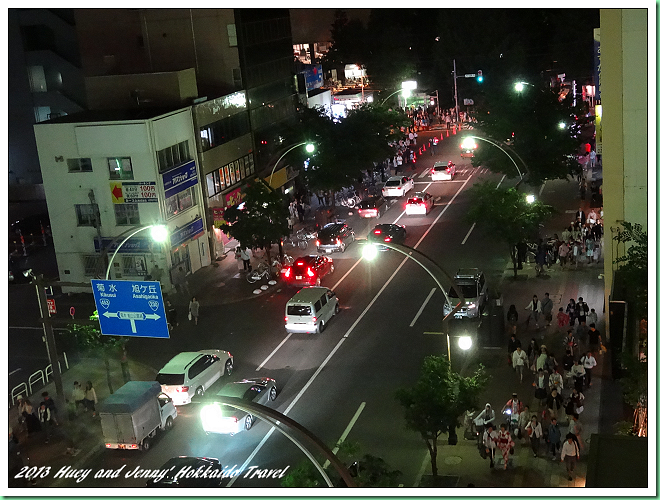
[
  {"x": 506, "y": 214},
  {"x": 439, "y": 397},
  {"x": 634, "y": 264}
]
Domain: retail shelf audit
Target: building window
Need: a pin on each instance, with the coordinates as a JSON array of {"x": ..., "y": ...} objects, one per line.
[
  {"x": 180, "y": 202},
  {"x": 230, "y": 174},
  {"x": 134, "y": 265},
  {"x": 120, "y": 168},
  {"x": 223, "y": 131},
  {"x": 92, "y": 264},
  {"x": 236, "y": 76},
  {"x": 86, "y": 214},
  {"x": 231, "y": 34},
  {"x": 127, "y": 214},
  {"x": 79, "y": 164},
  {"x": 174, "y": 155}
]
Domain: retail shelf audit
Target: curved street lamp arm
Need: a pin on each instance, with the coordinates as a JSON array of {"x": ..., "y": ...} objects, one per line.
[
  {"x": 105, "y": 249},
  {"x": 275, "y": 418},
  {"x": 107, "y": 272},
  {"x": 385, "y": 100},
  {"x": 503, "y": 151},
  {"x": 270, "y": 178}
]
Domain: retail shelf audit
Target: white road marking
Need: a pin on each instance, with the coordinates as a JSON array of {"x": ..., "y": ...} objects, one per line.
[
  {"x": 498, "y": 185},
  {"x": 422, "y": 469},
  {"x": 423, "y": 174},
  {"x": 348, "y": 272},
  {"x": 341, "y": 341},
  {"x": 16, "y": 370},
  {"x": 273, "y": 353},
  {"x": 468, "y": 233},
  {"x": 346, "y": 431},
  {"x": 419, "y": 313}
]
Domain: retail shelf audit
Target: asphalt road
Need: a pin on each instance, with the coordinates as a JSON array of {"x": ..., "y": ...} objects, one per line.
[{"x": 345, "y": 378}]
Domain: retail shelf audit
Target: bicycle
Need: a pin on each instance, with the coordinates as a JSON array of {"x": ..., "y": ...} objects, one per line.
[
  {"x": 277, "y": 265},
  {"x": 302, "y": 244},
  {"x": 306, "y": 233},
  {"x": 259, "y": 273}
]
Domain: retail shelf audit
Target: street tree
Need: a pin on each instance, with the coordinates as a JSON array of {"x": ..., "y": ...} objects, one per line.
[
  {"x": 347, "y": 147},
  {"x": 433, "y": 405},
  {"x": 634, "y": 264},
  {"x": 541, "y": 125},
  {"x": 261, "y": 220},
  {"x": 506, "y": 215}
]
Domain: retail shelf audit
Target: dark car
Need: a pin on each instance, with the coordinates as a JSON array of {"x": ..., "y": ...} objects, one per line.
[
  {"x": 388, "y": 233},
  {"x": 373, "y": 206},
  {"x": 334, "y": 237},
  {"x": 176, "y": 465},
  {"x": 307, "y": 270}
]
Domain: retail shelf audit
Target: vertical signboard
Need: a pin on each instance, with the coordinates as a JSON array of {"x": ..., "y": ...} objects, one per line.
[{"x": 597, "y": 62}]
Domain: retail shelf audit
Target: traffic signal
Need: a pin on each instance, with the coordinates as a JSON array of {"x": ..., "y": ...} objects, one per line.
[{"x": 480, "y": 76}]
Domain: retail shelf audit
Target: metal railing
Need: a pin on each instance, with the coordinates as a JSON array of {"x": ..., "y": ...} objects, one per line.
[{"x": 40, "y": 376}]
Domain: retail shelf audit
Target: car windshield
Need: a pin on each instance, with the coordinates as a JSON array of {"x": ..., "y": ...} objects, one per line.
[
  {"x": 393, "y": 183},
  {"x": 299, "y": 310},
  {"x": 469, "y": 291},
  {"x": 170, "y": 378}
]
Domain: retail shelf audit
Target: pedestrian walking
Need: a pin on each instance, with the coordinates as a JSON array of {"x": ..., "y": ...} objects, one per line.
[
  {"x": 563, "y": 254},
  {"x": 555, "y": 380},
  {"x": 581, "y": 310},
  {"x": 546, "y": 308},
  {"x": 574, "y": 404},
  {"x": 581, "y": 333},
  {"x": 45, "y": 419},
  {"x": 514, "y": 343},
  {"x": 193, "y": 310},
  {"x": 539, "y": 259},
  {"x": 567, "y": 362},
  {"x": 156, "y": 273},
  {"x": 570, "y": 310},
  {"x": 30, "y": 418},
  {"x": 562, "y": 318},
  {"x": 182, "y": 282},
  {"x": 490, "y": 438},
  {"x": 554, "y": 438},
  {"x": 588, "y": 361},
  {"x": 577, "y": 252},
  {"x": 90, "y": 398},
  {"x": 540, "y": 388},
  {"x": 535, "y": 310},
  {"x": 171, "y": 315},
  {"x": 555, "y": 403},
  {"x": 580, "y": 216},
  {"x": 570, "y": 453},
  {"x": 487, "y": 416},
  {"x": 533, "y": 352},
  {"x": 595, "y": 338},
  {"x": 535, "y": 432},
  {"x": 300, "y": 208},
  {"x": 50, "y": 404},
  {"x": 592, "y": 317},
  {"x": 570, "y": 344},
  {"x": 512, "y": 318},
  {"x": 542, "y": 359},
  {"x": 77, "y": 396},
  {"x": 575, "y": 428},
  {"x": 521, "y": 253},
  {"x": 505, "y": 444},
  {"x": 245, "y": 257},
  {"x": 551, "y": 363},
  {"x": 525, "y": 418},
  {"x": 519, "y": 360},
  {"x": 578, "y": 375}
]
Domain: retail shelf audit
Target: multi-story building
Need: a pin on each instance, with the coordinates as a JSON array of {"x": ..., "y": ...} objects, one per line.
[{"x": 107, "y": 173}]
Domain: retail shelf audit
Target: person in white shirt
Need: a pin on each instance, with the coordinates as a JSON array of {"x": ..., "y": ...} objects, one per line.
[
  {"x": 570, "y": 453},
  {"x": 588, "y": 361},
  {"x": 578, "y": 373},
  {"x": 519, "y": 360},
  {"x": 484, "y": 418},
  {"x": 535, "y": 432}
]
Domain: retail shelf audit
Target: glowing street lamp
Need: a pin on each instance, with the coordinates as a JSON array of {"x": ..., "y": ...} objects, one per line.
[
  {"x": 158, "y": 233},
  {"x": 562, "y": 125},
  {"x": 309, "y": 147},
  {"x": 464, "y": 342},
  {"x": 530, "y": 198}
]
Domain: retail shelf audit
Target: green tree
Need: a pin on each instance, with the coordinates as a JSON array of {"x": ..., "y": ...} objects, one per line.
[
  {"x": 634, "y": 264},
  {"x": 347, "y": 147},
  {"x": 506, "y": 215},
  {"x": 437, "y": 400},
  {"x": 262, "y": 219},
  {"x": 533, "y": 116}
]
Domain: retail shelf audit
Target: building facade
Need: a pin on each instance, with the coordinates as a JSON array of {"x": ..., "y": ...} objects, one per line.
[{"x": 107, "y": 174}]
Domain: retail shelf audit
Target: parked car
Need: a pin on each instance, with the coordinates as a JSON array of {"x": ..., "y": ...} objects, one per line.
[
  {"x": 192, "y": 373},
  {"x": 175, "y": 479},
  {"x": 388, "y": 233},
  {"x": 472, "y": 283},
  {"x": 373, "y": 206},
  {"x": 419, "y": 203},
  {"x": 307, "y": 270},
  {"x": 398, "y": 185},
  {"x": 443, "y": 171},
  {"x": 334, "y": 237},
  {"x": 222, "y": 419}
]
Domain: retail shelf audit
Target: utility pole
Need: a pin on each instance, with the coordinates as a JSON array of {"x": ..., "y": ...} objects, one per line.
[
  {"x": 39, "y": 283},
  {"x": 455, "y": 92}
]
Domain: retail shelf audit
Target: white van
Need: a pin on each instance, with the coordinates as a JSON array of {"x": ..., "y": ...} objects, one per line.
[{"x": 310, "y": 309}]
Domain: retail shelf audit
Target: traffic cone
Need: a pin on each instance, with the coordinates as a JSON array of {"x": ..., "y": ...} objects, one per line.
[
  {"x": 420, "y": 151},
  {"x": 459, "y": 127},
  {"x": 442, "y": 137},
  {"x": 454, "y": 130},
  {"x": 424, "y": 146},
  {"x": 447, "y": 132}
]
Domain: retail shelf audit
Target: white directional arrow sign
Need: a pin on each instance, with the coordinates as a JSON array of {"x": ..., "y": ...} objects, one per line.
[{"x": 131, "y": 316}]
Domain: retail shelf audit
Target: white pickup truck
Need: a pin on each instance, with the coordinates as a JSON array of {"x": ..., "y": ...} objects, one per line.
[{"x": 133, "y": 415}]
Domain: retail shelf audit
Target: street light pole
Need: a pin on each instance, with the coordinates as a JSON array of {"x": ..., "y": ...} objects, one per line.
[
  {"x": 455, "y": 92},
  {"x": 310, "y": 149},
  {"x": 114, "y": 254},
  {"x": 504, "y": 151}
]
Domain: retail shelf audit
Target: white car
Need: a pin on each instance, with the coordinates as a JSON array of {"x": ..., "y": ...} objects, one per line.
[
  {"x": 397, "y": 185},
  {"x": 419, "y": 204},
  {"x": 190, "y": 374},
  {"x": 443, "y": 171}
]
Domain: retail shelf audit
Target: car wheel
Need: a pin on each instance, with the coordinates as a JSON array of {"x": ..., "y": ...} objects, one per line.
[
  {"x": 146, "y": 444},
  {"x": 342, "y": 248},
  {"x": 321, "y": 327},
  {"x": 248, "y": 422},
  {"x": 169, "y": 423},
  {"x": 199, "y": 392},
  {"x": 229, "y": 367},
  {"x": 272, "y": 394},
  {"x": 336, "y": 309}
]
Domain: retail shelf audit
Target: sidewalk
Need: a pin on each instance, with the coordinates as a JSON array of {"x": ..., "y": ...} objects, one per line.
[{"x": 82, "y": 434}]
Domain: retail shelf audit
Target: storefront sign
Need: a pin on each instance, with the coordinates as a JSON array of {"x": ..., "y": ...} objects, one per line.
[
  {"x": 218, "y": 213},
  {"x": 187, "y": 232},
  {"x": 133, "y": 192},
  {"x": 180, "y": 179},
  {"x": 132, "y": 245},
  {"x": 233, "y": 198},
  {"x": 313, "y": 76},
  {"x": 597, "y": 61}
]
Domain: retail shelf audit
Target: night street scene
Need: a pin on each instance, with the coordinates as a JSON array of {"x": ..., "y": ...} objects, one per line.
[{"x": 275, "y": 248}]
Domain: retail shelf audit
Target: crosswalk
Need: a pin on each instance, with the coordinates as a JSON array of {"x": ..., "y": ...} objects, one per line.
[{"x": 425, "y": 174}]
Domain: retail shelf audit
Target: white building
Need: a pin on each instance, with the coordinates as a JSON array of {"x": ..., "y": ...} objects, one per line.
[{"x": 108, "y": 173}]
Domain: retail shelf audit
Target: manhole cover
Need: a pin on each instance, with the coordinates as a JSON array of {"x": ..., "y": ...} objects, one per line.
[{"x": 453, "y": 460}]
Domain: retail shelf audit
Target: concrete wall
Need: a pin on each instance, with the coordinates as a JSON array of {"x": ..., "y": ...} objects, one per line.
[{"x": 624, "y": 96}]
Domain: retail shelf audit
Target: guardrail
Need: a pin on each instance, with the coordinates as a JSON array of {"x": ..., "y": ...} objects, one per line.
[{"x": 40, "y": 376}]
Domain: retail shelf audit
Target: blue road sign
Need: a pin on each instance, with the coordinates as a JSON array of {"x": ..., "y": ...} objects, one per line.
[{"x": 130, "y": 308}]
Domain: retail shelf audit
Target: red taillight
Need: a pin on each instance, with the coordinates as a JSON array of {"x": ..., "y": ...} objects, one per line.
[
  {"x": 108, "y": 445},
  {"x": 359, "y": 210},
  {"x": 376, "y": 231},
  {"x": 286, "y": 319},
  {"x": 310, "y": 273},
  {"x": 314, "y": 319},
  {"x": 134, "y": 446},
  {"x": 387, "y": 238},
  {"x": 338, "y": 241},
  {"x": 318, "y": 242},
  {"x": 183, "y": 388}
]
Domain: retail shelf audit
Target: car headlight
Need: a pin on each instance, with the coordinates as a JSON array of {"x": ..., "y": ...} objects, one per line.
[{"x": 471, "y": 306}]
